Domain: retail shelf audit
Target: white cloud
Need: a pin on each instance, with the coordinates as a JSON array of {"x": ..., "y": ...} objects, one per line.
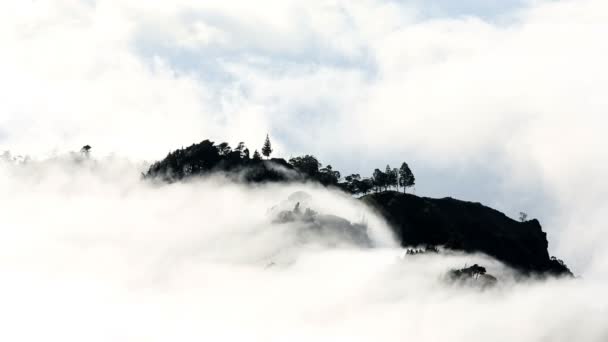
[
  {"x": 520, "y": 97},
  {"x": 90, "y": 252}
]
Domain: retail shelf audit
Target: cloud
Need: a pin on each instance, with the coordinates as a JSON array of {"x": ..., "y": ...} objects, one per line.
[
  {"x": 506, "y": 108},
  {"x": 101, "y": 255}
]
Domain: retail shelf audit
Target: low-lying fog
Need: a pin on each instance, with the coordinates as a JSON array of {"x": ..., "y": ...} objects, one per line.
[{"x": 89, "y": 252}]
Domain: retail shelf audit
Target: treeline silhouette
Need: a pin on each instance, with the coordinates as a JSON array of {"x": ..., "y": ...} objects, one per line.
[{"x": 207, "y": 157}]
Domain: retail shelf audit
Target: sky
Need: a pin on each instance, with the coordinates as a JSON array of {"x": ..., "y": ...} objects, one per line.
[{"x": 501, "y": 102}]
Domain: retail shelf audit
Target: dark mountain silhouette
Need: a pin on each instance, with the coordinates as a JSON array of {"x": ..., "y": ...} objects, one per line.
[
  {"x": 416, "y": 221},
  {"x": 469, "y": 227}
]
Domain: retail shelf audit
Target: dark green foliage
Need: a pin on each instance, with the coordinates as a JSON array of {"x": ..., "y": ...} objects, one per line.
[{"x": 256, "y": 155}]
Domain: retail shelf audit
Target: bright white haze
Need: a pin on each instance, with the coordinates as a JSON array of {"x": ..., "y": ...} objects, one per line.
[
  {"x": 90, "y": 252},
  {"x": 502, "y": 102}
]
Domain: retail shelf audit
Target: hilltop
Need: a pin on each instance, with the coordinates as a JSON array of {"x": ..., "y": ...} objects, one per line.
[
  {"x": 469, "y": 227},
  {"x": 416, "y": 221}
]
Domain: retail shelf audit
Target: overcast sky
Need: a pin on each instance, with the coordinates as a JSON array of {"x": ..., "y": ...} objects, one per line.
[{"x": 501, "y": 102}]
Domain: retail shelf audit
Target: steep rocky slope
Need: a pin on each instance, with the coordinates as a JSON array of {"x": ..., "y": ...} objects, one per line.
[{"x": 469, "y": 227}]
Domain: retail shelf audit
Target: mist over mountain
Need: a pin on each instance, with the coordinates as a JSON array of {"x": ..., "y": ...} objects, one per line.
[
  {"x": 213, "y": 258},
  {"x": 287, "y": 170},
  {"x": 453, "y": 224}
]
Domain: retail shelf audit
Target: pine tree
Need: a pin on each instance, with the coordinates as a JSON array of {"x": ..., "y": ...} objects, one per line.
[
  {"x": 267, "y": 149},
  {"x": 256, "y": 155}
]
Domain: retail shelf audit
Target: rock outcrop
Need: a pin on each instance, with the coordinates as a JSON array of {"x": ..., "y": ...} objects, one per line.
[{"x": 469, "y": 227}]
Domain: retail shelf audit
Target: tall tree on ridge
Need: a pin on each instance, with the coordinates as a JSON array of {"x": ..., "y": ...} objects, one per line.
[
  {"x": 406, "y": 177},
  {"x": 267, "y": 149},
  {"x": 391, "y": 178},
  {"x": 395, "y": 175}
]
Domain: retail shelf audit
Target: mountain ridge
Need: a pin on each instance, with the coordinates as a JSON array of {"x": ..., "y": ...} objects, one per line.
[
  {"x": 454, "y": 224},
  {"x": 469, "y": 227}
]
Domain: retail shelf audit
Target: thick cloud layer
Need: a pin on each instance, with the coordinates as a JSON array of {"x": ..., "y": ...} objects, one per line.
[
  {"x": 498, "y": 102},
  {"x": 89, "y": 252},
  {"x": 495, "y": 102}
]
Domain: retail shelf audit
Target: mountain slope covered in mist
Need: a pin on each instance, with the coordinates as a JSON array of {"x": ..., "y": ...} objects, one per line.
[{"x": 416, "y": 221}]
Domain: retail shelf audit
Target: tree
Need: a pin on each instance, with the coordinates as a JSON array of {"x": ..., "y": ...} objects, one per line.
[
  {"x": 85, "y": 150},
  {"x": 355, "y": 185},
  {"x": 307, "y": 164},
  {"x": 351, "y": 183},
  {"x": 352, "y": 178},
  {"x": 406, "y": 177},
  {"x": 267, "y": 149},
  {"x": 523, "y": 217},
  {"x": 224, "y": 149},
  {"x": 256, "y": 155},
  {"x": 241, "y": 150},
  {"x": 365, "y": 186},
  {"x": 391, "y": 177},
  {"x": 379, "y": 179},
  {"x": 395, "y": 175},
  {"x": 328, "y": 176}
]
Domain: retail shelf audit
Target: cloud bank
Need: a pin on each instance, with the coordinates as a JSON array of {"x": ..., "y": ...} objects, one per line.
[
  {"x": 500, "y": 103},
  {"x": 503, "y": 105},
  {"x": 91, "y": 252}
]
